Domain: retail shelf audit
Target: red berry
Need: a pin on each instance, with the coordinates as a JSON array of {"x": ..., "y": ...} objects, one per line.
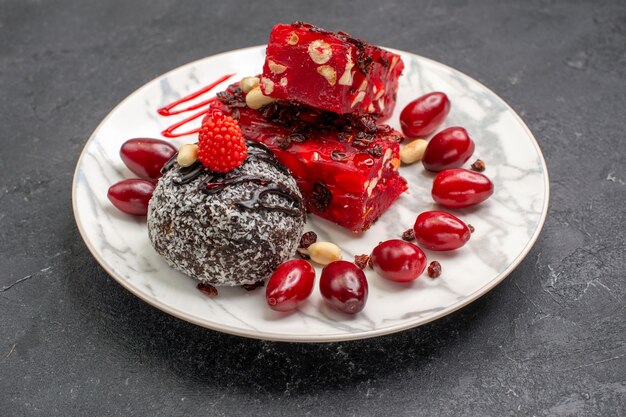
[
  {"x": 221, "y": 146},
  {"x": 438, "y": 230},
  {"x": 398, "y": 260},
  {"x": 344, "y": 286},
  {"x": 450, "y": 148},
  {"x": 145, "y": 157},
  {"x": 290, "y": 284},
  {"x": 423, "y": 116},
  {"x": 131, "y": 196},
  {"x": 460, "y": 187}
]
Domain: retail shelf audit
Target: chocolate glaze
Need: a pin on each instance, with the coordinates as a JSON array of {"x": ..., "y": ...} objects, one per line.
[
  {"x": 169, "y": 164},
  {"x": 190, "y": 173},
  {"x": 255, "y": 202}
]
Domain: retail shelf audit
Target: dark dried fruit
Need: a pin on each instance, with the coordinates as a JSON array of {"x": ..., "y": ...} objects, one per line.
[
  {"x": 225, "y": 97},
  {"x": 361, "y": 261},
  {"x": 363, "y": 139},
  {"x": 297, "y": 137},
  {"x": 368, "y": 123},
  {"x": 321, "y": 196},
  {"x": 408, "y": 235},
  {"x": 207, "y": 289},
  {"x": 478, "y": 166},
  {"x": 282, "y": 142},
  {"x": 269, "y": 111},
  {"x": 364, "y": 63},
  {"x": 376, "y": 151},
  {"x": 434, "y": 269},
  {"x": 344, "y": 136},
  {"x": 307, "y": 239},
  {"x": 339, "y": 156}
]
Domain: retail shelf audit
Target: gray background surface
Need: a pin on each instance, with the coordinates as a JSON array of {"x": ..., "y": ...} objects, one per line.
[{"x": 549, "y": 340}]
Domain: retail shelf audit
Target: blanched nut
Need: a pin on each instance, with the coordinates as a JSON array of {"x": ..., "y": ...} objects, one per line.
[
  {"x": 320, "y": 52},
  {"x": 187, "y": 155},
  {"x": 324, "y": 253},
  {"x": 255, "y": 99},
  {"x": 413, "y": 152},
  {"x": 293, "y": 39},
  {"x": 248, "y": 83},
  {"x": 358, "y": 98},
  {"x": 346, "y": 77},
  {"x": 328, "y": 72},
  {"x": 275, "y": 67},
  {"x": 268, "y": 86}
]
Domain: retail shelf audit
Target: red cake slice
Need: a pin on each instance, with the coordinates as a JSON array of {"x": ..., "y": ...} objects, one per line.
[
  {"x": 345, "y": 167},
  {"x": 330, "y": 71}
]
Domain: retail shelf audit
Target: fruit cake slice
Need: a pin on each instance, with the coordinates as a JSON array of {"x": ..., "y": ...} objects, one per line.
[
  {"x": 345, "y": 167},
  {"x": 330, "y": 71}
]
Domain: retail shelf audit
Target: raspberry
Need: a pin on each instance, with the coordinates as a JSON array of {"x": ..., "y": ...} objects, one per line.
[{"x": 221, "y": 146}]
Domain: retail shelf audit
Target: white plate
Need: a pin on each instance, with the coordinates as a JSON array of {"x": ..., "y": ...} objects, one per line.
[{"x": 506, "y": 225}]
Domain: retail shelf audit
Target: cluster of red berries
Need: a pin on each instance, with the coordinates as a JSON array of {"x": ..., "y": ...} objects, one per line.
[{"x": 221, "y": 145}]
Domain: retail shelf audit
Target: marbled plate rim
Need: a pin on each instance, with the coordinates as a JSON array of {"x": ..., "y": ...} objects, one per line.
[{"x": 315, "y": 338}]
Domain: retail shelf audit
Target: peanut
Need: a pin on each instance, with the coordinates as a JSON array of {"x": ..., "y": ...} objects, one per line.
[
  {"x": 293, "y": 39},
  {"x": 328, "y": 72},
  {"x": 346, "y": 77},
  {"x": 358, "y": 98},
  {"x": 187, "y": 155},
  {"x": 413, "y": 152},
  {"x": 255, "y": 99},
  {"x": 324, "y": 253},
  {"x": 275, "y": 67},
  {"x": 320, "y": 52},
  {"x": 268, "y": 86},
  {"x": 248, "y": 83}
]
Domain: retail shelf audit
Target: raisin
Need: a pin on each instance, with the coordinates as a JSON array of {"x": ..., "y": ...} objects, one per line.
[
  {"x": 207, "y": 289},
  {"x": 408, "y": 235},
  {"x": 478, "y": 166},
  {"x": 282, "y": 142},
  {"x": 434, "y": 269},
  {"x": 368, "y": 123},
  {"x": 321, "y": 196},
  {"x": 361, "y": 261},
  {"x": 376, "y": 151},
  {"x": 338, "y": 156},
  {"x": 344, "y": 136},
  {"x": 307, "y": 239},
  {"x": 297, "y": 137}
]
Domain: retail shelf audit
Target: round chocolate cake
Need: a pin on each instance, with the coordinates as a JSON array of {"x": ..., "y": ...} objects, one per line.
[{"x": 227, "y": 229}]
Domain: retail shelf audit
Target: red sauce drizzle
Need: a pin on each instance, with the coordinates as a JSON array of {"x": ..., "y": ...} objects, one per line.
[{"x": 168, "y": 110}]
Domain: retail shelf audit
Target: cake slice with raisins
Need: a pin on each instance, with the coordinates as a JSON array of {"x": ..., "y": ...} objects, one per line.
[{"x": 330, "y": 71}]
